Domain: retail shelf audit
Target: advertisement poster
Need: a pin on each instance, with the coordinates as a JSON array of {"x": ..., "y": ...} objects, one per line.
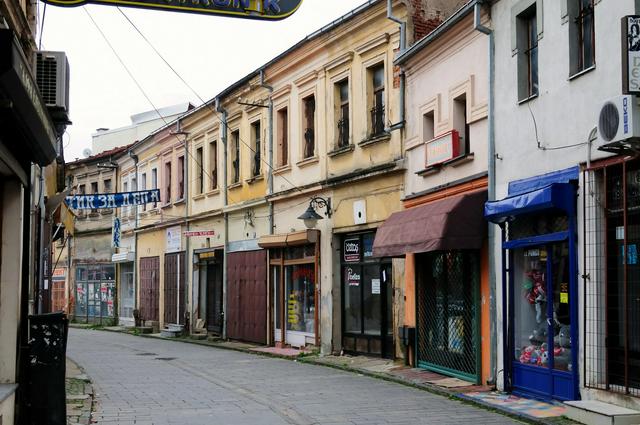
[
  {"x": 631, "y": 54},
  {"x": 375, "y": 286}
]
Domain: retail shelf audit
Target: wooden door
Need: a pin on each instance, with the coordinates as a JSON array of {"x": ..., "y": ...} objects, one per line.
[
  {"x": 247, "y": 296},
  {"x": 150, "y": 288},
  {"x": 174, "y": 283}
]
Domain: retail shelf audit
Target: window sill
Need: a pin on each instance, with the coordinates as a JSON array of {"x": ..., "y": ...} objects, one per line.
[
  {"x": 255, "y": 179},
  {"x": 213, "y": 192},
  {"x": 454, "y": 162},
  {"x": 234, "y": 185},
  {"x": 179, "y": 201},
  {"x": 384, "y": 137},
  {"x": 340, "y": 151},
  {"x": 527, "y": 99},
  {"x": 282, "y": 169},
  {"x": 581, "y": 73},
  {"x": 198, "y": 197},
  {"x": 165, "y": 206},
  {"x": 307, "y": 161}
]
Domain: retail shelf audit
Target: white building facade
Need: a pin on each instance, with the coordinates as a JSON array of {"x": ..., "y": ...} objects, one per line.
[{"x": 567, "y": 273}]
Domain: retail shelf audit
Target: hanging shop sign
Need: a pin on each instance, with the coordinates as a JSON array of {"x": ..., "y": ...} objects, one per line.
[
  {"x": 352, "y": 250},
  {"x": 59, "y": 275},
  {"x": 115, "y": 233},
  {"x": 631, "y": 55},
  {"x": 112, "y": 200},
  {"x": 267, "y": 10},
  {"x": 442, "y": 148},
  {"x": 194, "y": 233}
]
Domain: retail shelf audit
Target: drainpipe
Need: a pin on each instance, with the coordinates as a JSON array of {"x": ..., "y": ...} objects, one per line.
[
  {"x": 270, "y": 143},
  {"x": 134, "y": 157},
  {"x": 41, "y": 206},
  {"x": 403, "y": 26},
  {"x": 478, "y": 26},
  {"x": 186, "y": 219},
  {"x": 403, "y": 46},
  {"x": 223, "y": 111}
]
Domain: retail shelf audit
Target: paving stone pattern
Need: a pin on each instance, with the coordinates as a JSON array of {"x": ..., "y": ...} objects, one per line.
[{"x": 147, "y": 381}]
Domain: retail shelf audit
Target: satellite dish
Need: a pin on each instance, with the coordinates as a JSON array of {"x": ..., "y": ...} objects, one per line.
[{"x": 86, "y": 152}]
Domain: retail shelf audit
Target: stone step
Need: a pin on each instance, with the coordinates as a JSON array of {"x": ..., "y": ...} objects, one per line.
[
  {"x": 144, "y": 329},
  {"x": 170, "y": 333},
  {"x": 592, "y": 412}
]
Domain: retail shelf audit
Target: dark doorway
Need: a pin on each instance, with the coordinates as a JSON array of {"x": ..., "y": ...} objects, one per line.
[
  {"x": 367, "y": 298},
  {"x": 214, "y": 297}
]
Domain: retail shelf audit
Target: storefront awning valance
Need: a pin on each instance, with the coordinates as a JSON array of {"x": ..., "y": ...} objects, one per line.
[
  {"x": 289, "y": 239},
  {"x": 554, "y": 196},
  {"x": 451, "y": 223}
]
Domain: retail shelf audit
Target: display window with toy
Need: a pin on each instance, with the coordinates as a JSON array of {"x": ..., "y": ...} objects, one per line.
[{"x": 540, "y": 285}]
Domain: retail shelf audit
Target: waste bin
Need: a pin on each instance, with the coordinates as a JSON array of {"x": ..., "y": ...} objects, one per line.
[{"x": 47, "y": 369}]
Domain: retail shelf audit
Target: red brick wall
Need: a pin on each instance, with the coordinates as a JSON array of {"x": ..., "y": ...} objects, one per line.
[{"x": 423, "y": 24}]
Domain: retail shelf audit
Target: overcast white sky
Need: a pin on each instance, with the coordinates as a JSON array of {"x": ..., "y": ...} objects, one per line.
[{"x": 209, "y": 53}]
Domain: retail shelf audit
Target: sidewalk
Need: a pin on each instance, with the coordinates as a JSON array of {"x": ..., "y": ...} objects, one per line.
[
  {"x": 79, "y": 395},
  {"x": 528, "y": 410}
]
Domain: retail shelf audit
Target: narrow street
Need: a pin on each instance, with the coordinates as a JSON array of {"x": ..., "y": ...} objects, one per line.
[{"x": 145, "y": 381}]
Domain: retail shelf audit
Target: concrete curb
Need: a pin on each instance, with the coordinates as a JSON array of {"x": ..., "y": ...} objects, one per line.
[{"x": 311, "y": 360}]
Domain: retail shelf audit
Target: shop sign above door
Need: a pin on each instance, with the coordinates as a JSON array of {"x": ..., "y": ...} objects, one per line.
[
  {"x": 352, "y": 250},
  {"x": 631, "y": 55},
  {"x": 267, "y": 10}
]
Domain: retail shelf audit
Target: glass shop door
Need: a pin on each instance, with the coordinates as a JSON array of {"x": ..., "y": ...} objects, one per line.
[{"x": 542, "y": 324}]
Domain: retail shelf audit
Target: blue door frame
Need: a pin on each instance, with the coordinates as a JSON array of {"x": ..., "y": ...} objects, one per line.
[{"x": 532, "y": 381}]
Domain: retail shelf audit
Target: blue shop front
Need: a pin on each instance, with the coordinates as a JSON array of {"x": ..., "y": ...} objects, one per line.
[{"x": 539, "y": 284}]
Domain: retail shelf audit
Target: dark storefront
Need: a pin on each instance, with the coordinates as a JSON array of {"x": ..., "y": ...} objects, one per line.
[
  {"x": 210, "y": 289},
  {"x": 367, "y": 298},
  {"x": 612, "y": 281},
  {"x": 446, "y": 237},
  {"x": 540, "y": 294},
  {"x": 95, "y": 293}
]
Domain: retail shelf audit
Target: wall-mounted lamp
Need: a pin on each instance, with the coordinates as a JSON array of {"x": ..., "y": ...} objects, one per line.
[{"x": 310, "y": 216}]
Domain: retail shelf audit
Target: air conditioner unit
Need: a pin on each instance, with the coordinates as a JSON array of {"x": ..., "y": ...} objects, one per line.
[
  {"x": 52, "y": 76},
  {"x": 618, "y": 123}
]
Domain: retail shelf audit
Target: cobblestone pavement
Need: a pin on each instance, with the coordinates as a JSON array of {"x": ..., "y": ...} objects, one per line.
[{"x": 146, "y": 381}]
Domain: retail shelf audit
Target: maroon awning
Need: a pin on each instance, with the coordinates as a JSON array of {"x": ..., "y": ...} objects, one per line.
[{"x": 451, "y": 223}]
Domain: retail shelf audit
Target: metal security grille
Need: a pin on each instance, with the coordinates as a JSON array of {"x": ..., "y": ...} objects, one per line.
[
  {"x": 448, "y": 313},
  {"x": 612, "y": 277}
]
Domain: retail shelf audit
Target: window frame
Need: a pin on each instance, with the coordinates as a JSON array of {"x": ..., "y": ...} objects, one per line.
[
  {"x": 213, "y": 164},
  {"x": 308, "y": 126},
  {"x": 283, "y": 136},
  {"x": 376, "y": 122},
  {"x": 199, "y": 165},
  {"x": 523, "y": 43},
  {"x": 343, "y": 112},
  {"x": 256, "y": 142},
  {"x": 235, "y": 162}
]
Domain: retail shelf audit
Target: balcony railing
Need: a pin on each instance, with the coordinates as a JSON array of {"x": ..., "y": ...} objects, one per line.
[
  {"x": 343, "y": 133},
  {"x": 309, "y": 142},
  {"x": 377, "y": 120}
]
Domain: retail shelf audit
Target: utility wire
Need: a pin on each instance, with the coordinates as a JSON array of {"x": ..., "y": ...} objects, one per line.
[
  {"x": 206, "y": 104},
  {"x": 44, "y": 14},
  {"x": 144, "y": 93}
]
